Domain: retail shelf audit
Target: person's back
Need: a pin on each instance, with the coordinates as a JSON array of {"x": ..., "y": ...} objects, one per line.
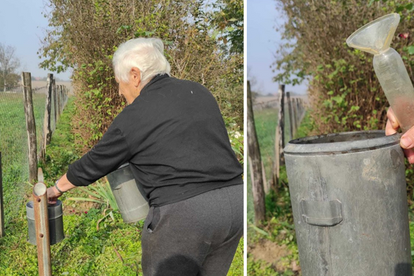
[{"x": 178, "y": 141}]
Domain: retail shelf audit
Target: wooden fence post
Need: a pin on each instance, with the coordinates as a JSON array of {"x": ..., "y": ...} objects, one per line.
[
  {"x": 48, "y": 109},
  {"x": 295, "y": 116},
  {"x": 302, "y": 109},
  {"x": 255, "y": 162},
  {"x": 291, "y": 123},
  {"x": 55, "y": 102},
  {"x": 1, "y": 202},
  {"x": 30, "y": 125},
  {"x": 279, "y": 140}
]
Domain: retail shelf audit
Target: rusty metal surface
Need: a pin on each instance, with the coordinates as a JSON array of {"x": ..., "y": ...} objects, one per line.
[{"x": 42, "y": 229}]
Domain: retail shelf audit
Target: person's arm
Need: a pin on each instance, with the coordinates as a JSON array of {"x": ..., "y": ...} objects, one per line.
[
  {"x": 106, "y": 156},
  {"x": 407, "y": 139},
  {"x": 61, "y": 186}
]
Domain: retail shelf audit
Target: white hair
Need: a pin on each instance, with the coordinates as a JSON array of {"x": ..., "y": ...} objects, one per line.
[{"x": 147, "y": 54}]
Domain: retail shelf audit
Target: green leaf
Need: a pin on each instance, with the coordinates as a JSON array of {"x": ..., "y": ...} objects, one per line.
[
  {"x": 410, "y": 50},
  {"x": 84, "y": 199},
  {"x": 258, "y": 230},
  {"x": 400, "y": 8},
  {"x": 338, "y": 99}
]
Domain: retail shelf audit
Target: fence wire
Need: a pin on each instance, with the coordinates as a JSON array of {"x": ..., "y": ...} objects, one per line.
[{"x": 14, "y": 143}]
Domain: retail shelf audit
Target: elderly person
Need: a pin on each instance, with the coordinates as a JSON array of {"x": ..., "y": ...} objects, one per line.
[{"x": 173, "y": 135}]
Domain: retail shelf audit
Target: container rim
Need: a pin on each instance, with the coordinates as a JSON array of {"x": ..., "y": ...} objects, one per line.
[
  {"x": 123, "y": 166},
  {"x": 343, "y": 142}
]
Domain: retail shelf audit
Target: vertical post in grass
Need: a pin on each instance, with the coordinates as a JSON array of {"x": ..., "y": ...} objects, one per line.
[
  {"x": 60, "y": 97},
  {"x": 302, "y": 109},
  {"x": 42, "y": 228},
  {"x": 55, "y": 103},
  {"x": 255, "y": 163},
  {"x": 279, "y": 140},
  {"x": 48, "y": 109},
  {"x": 289, "y": 102},
  {"x": 1, "y": 202},
  {"x": 30, "y": 125},
  {"x": 295, "y": 115}
]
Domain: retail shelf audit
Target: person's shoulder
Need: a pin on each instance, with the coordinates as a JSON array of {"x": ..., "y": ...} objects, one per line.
[
  {"x": 189, "y": 84},
  {"x": 126, "y": 114}
]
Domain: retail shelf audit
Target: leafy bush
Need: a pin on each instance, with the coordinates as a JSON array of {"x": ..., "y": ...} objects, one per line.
[
  {"x": 97, "y": 27},
  {"x": 345, "y": 93}
]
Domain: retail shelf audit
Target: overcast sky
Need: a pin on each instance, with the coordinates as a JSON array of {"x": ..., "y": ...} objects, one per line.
[
  {"x": 22, "y": 26},
  {"x": 262, "y": 43}
]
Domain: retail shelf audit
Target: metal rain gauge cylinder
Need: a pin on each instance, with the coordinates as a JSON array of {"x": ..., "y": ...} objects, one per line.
[{"x": 349, "y": 202}]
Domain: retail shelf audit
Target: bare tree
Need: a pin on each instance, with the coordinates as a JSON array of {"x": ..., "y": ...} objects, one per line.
[{"x": 8, "y": 62}]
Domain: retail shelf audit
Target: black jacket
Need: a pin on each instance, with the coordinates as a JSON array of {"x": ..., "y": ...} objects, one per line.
[{"x": 175, "y": 139}]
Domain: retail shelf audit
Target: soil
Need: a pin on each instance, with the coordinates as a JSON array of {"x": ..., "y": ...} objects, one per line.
[{"x": 272, "y": 253}]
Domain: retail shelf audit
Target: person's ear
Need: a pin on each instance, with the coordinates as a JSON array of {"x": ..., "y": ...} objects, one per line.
[{"x": 135, "y": 74}]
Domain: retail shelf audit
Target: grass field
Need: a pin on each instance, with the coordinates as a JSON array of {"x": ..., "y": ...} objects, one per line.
[
  {"x": 95, "y": 243},
  {"x": 13, "y": 147}
]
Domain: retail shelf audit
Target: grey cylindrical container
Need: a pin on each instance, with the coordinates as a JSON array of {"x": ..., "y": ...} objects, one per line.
[
  {"x": 132, "y": 205},
  {"x": 55, "y": 222},
  {"x": 349, "y": 201}
]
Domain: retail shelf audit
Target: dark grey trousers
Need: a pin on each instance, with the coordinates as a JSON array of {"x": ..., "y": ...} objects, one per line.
[{"x": 196, "y": 236}]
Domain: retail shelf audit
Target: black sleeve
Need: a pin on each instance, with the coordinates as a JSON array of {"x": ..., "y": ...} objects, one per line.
[{"x": 106, "y": 156}]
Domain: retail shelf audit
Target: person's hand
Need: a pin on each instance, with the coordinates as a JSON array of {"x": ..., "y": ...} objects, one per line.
[
  {"x": 407, "y": 139},
  {"x": 52, "y": 195}
]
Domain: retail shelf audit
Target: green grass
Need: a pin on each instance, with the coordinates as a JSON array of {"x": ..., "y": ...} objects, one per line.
[
  {"x": 13, "y": 148},
  {"x": 113, "y": 249}
]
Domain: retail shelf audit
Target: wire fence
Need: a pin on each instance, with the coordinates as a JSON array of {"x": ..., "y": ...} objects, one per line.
[{"x": 14, "y": 139}]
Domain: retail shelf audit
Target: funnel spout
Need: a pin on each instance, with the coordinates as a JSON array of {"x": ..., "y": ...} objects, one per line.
[{"x": 376, "y": 36}]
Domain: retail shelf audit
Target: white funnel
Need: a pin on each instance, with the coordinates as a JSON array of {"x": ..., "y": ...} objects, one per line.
[{"x": 375, "y": 38}]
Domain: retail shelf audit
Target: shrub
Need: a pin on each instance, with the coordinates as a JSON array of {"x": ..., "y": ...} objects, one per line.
[
  {"x": 344, "y": 92},
  {"x": 97, "y": 27}
]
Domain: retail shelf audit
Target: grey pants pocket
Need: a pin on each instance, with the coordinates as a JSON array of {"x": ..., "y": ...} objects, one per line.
[{"x": 152, "y": 219}]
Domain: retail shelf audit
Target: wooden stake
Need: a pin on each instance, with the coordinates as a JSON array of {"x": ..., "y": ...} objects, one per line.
[
  {"x": 48, "y": 109},
  {"x": 279, "y": 140},
  {"x": 55, "y": 103},
  {"x": 289, "y": 102},
  {"x": 255, "y": 162},
  {"x": 295, "y": 116},
  {"x": 30, "y": 125}
]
